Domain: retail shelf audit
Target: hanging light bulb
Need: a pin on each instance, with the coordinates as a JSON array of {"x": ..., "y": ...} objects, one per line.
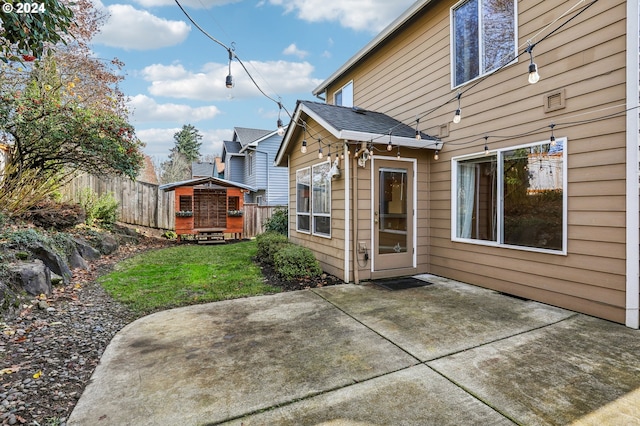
[
  {"x": 303, "y": 149},
  {"x": 229, "y": 80},
  {"x": 280, "y": 128},
  {"x": 319, "y": 150},
  {"x": 279, "y": 122},
  {"x": 398, "y": 154},
  {"x": 418, "y": 136},
  {"x": 552, "y": 139},
  {"x": 329, "y": 154},
  {"x": 436, "y": 156},
  {"x": 457, "y": 117},
  {"x": 486, "y": 146},
  {"x": 534, "y": 77}
]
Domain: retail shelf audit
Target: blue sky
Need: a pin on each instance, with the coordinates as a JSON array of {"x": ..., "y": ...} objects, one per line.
[{"x": 175, "y": 75}]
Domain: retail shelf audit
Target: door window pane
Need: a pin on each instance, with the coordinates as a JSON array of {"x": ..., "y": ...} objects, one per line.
[{"x": 393, "y": 220}]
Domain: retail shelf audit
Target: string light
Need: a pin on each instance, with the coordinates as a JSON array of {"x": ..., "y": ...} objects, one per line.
[
  {"x": 486, "y": 146},
  {"x": 457, "y": 117},
  {"x": 229, "y": 80},
  {"x": 389, "y": 147},
  {"x": 303, "y": 149},
  {"x": 552, "y": 139},
  {"x": 279, "y": 122},
  {"x": 398, "y": 154},
  {"x": 436, "y": 156},
  {"x": 418, "y": 136},
  {"x": 319, "y": 150},
  {"x": 534, "y": 77}
]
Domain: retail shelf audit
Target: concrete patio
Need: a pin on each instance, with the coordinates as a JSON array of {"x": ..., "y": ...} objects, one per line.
[{"x": 444, "y": 354}]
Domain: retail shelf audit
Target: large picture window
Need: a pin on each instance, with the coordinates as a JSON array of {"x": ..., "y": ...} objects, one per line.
[
  {"x": 313, "y": 200},
  {"x": 483, "y": 37},
  {"x": 513, "y": 197}
]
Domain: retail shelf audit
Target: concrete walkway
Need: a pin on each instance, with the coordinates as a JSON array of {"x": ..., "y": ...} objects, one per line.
[{"x": 444, "y": 354}]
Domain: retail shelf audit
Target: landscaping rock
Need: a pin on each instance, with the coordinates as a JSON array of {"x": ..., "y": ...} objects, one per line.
[
  {"x": 85, "y": 249},
  {"x": 34, "y": 277},
  {"x": 108, "y": 244},
  {"x": 75, "y": 260},
  {"x": 53, "y": 261}
]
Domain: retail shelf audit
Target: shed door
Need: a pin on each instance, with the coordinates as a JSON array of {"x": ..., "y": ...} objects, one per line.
[
  {"x": 210, "y": 208},
  {"x": 393, "y": 215}
]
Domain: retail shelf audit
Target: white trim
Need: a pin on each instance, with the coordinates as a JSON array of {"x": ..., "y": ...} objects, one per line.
[
  {"x": 632, "y": 303},
  {"x": 377, "y": 40},
  {"x": 414, "y": 161},
  {"x": 341, "y": 91},
  {"x": 308, "y": 214},
  {"x": 347, "y": 212},
  {"x": 481, "y": 73},
  {"x": 500, "y": 218}
]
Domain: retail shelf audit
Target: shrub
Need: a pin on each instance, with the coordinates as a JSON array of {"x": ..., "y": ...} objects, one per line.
[
  {"x": 269, "y": 243},
  {"x": 293, "y": 262},
  {"x": 103, "y": 209},
  {"x": 278, "y": 222}
]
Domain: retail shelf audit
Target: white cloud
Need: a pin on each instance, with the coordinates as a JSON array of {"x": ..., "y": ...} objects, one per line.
[
  {"x": 292, "y": 49},
  {"x": 369, "y": 15},
  {"x": 209, "y": 83},
  {"x": 159, "y": 141},
  {"x": 195, "y": 4},
  {"x": 147, "y": 109},
  {"x": 133, "y": 29}
]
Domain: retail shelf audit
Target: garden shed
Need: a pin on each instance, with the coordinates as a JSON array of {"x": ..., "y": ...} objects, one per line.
[{"x": 208, "y": 208}]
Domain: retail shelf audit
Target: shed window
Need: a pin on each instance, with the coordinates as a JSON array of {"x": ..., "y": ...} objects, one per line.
[
  {"x": 483, "y": 37},
  {"x": 514, "y": 197},
  {"x": 186, "y": 203},
  {"x": 234, "y": 203}
]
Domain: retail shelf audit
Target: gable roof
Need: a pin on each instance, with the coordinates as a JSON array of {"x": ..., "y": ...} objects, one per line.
[
  {"x": 231, "y": 147},
  {"x": 373, "y": 44},
  {"x": 357, "y": 125},
  {"x": 204, "y": 180},
  {"x": 202, "y": 168},
  {"x": 245, "y": 136}
]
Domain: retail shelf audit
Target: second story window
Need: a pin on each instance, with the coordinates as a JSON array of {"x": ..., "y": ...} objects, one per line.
[
  {"x": 483, "y": 37},
  {"x": 344, "y": 96}
]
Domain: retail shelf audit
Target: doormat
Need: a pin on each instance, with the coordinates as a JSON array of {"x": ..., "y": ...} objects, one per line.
[{"x": 401, "y": 283}]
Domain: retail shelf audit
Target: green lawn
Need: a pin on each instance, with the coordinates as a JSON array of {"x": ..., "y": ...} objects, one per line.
[{"x": 186, "y": 275}]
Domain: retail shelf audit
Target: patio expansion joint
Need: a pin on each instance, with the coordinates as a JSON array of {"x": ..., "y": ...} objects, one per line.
[{"x": 469, "y": 391}]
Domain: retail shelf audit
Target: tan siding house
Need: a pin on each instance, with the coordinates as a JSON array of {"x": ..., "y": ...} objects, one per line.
[{"x": 534, "y": 192}]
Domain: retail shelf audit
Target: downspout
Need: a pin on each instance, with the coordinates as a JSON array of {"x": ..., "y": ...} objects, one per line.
[
  {"x": 633, "y": 195},
  {"x": 356, "y": 277},
  {"x": 266, "y": 165}
]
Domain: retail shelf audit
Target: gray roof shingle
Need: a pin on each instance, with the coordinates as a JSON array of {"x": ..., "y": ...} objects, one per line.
[{"x": 361, "y": 120}]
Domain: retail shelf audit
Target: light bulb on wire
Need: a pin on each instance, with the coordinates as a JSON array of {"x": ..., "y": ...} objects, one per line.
[
  {"x": 534, "y": 77},
  {"x": 303, "y": 149},
  {"x": 457, "y": 117}
]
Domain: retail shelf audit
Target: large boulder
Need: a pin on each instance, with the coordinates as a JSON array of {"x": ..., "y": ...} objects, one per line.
[
  {"x": 108, "y": 244},
  {"x": 34, "y": 276},
  {"x": 85, "y": 249},
  {"x": 53, "y": 261}
]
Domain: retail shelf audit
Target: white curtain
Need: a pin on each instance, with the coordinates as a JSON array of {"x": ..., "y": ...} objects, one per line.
[{"x": 466, "y": 198}]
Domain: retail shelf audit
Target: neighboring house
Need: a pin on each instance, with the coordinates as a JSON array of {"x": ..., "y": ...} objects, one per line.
[
  {"x": 148, "y": 172},
  {"x": 201, "y": 169},
  {"x": 534, "y": 192},
  {"x": 249, "y": 160}
]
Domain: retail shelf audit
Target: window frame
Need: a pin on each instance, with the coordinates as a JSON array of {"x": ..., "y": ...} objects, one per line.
[
  {"x": 499, "y": 153},
  {"x": 327, "y": 194},
  {"x": 340, "y": 93},
  {"x": 303, "y": 213},
  {"x": 452, "y": 44}
]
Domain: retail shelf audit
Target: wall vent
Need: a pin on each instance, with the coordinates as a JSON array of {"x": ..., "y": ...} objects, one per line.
[{"x": 554, "y": 101}]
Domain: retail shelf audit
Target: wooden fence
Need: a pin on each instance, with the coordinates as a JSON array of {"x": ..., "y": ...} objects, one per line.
[
  {"x": 143, "y": 204},
  {"x": 254, "y": 218},
  {"x": 139, "y": 203}
]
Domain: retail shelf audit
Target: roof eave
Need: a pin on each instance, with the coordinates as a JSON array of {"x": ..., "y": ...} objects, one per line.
[{"x": 376, "y": 41}]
